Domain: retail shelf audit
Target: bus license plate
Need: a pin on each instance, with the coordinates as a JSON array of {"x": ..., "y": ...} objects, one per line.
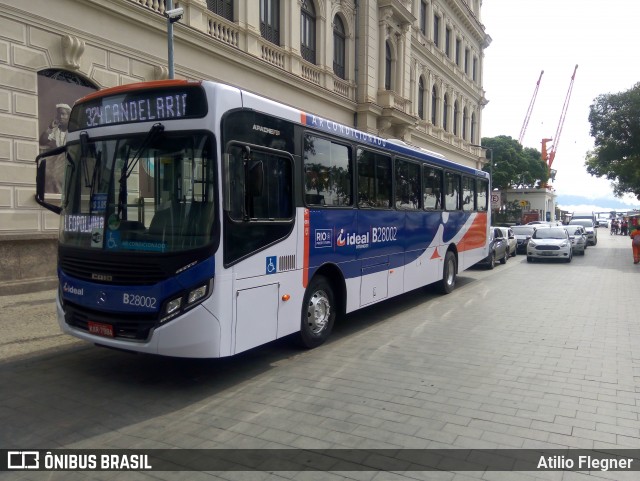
[{"x": 100, "y": 329}]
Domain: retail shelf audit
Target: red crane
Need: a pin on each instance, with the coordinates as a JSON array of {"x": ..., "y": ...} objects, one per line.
[
  {"x": 551, "y": 154},
  {"x": 528, "y": 116}
]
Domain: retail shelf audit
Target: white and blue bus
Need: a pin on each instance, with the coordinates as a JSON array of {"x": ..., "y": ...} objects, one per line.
[{"x": 200, "y": 220}]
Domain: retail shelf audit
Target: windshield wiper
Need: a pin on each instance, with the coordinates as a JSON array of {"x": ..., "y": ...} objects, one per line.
[{"x": 127, "y": 168}]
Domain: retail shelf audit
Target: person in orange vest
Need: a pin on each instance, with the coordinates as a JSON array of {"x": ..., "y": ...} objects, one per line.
[{"x": 635, "y": 243}]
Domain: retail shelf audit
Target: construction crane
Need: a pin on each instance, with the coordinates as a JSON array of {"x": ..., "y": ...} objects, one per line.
[
  {"x": 528, "y": 116},
  {"x": 548, "y": 156}
]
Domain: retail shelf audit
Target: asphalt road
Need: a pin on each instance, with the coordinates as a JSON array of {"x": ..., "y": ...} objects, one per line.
[{"x": 526, "y": 356}]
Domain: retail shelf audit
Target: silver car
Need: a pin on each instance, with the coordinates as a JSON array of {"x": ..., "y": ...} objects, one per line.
[
  {"x": 512, "y": 243},
  {"x": 578, "y": 238},
  {"x": 550, "y": 243},
  {"x": 589, "y": 228}
]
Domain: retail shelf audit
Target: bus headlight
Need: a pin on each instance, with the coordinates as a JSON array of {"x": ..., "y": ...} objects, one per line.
[
  {"x": 197, "y": 294},
  {"x": 173, "y": 306}
]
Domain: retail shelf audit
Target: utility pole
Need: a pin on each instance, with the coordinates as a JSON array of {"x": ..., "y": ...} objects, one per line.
[{"x": 173, "y": 15}]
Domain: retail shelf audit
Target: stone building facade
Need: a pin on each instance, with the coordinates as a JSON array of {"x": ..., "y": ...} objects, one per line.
[{"x": 409, "y": 69}]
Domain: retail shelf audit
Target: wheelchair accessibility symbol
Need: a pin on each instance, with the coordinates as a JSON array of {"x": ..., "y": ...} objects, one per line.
[{"x": 272, "y": 265}]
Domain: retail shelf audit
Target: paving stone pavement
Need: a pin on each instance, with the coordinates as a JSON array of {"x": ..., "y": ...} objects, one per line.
[{"x": 530, "y": 356}]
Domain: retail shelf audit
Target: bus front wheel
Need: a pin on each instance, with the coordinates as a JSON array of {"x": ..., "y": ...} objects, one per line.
[
  {"x": 448, "y": 281},
  {"x": 318, "y": 313}
]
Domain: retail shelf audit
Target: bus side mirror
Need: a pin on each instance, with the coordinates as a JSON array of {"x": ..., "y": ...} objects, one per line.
[{"x": 50, "y": 172}]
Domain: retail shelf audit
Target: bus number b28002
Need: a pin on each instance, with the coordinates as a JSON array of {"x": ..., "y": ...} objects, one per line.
[
  {"x": 383, "y": 234},
  {"x": 140, "y": 301}
]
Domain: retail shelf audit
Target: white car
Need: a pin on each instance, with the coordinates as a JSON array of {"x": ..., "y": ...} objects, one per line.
[{"x": 550, "y": 243}]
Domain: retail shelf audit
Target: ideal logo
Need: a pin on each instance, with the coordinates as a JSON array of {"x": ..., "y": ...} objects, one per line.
[
  {"x": 360, "y": 241},
  {"x": 68, "y": 288},
  {"x": 323, "y": 238}
]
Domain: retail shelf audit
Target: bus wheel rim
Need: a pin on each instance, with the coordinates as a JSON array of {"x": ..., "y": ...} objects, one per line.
[
  {"x": 450, "y": 272},
  {"x": 318, "y": 312}
]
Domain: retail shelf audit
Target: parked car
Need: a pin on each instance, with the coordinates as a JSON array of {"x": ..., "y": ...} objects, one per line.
[
  {"x": 512, "y": 243},
  {"x": 522, "y": 234},
  {"x": 498, "y": 248},
  {"x": 589, "y": 227},
  {"x": 603, "y": 222},
  {"x": 550, "y": 243},
  {"x": 578, "y": 238}
]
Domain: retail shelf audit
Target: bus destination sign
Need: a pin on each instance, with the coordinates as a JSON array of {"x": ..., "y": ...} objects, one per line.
[{"x": 139, "y": 106}]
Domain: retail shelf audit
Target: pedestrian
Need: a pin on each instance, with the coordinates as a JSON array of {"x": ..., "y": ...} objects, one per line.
[
  {"x": 635, "y": 243},
  {"x": 624, "y": 227},
  {"x": 56, "y": 133}
]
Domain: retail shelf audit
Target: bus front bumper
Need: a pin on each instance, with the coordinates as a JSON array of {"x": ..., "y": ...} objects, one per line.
[{"x": 194, "y": 334}]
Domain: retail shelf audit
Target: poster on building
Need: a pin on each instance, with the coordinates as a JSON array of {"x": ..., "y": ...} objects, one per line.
[{"x": 57, "y": 91}]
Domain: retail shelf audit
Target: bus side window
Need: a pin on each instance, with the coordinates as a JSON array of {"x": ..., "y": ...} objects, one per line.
[
  {"x": 482, "y": 195},
  {"x": 468, "y": 194},
  {"x": 328, "y": 173},
  {"x": 432, "y": 191},
  {"x": 374, "y": 179},
  {"x": 407, "y": 185},
  {"x": 452, "y": 191}
]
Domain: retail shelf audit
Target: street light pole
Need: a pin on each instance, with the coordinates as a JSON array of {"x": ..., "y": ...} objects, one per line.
[
  {"x": 490, "y": 150},
  {"x": 169, "y": 6},
  {"x": 173, "y": 15}
]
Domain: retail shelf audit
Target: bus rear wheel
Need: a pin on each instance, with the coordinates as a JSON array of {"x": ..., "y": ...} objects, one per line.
[
  {"x": 318, "y": 313},
  {"x": 448, "y": 281}
]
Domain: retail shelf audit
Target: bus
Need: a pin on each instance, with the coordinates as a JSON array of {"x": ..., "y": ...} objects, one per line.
[{"x": 201, "y": 220}]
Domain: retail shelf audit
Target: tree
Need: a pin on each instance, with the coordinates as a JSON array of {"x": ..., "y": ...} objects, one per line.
[
  {"x": 615, "y": 126},
  {"x": 514, "y": 166}
]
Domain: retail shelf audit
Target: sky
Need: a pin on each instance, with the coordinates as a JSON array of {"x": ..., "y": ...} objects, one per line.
[{"x": 529, "y": 36}]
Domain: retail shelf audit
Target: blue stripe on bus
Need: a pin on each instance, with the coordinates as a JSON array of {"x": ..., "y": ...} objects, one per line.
[
  {"x": 356, "y": 239},
  {"x": 118, "y": 298}
]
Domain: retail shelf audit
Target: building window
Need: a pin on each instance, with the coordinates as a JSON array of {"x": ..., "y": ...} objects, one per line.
[
  {"x": 421, "y": 98},
  {"x": 387, "y": 66},
  {"x": 308, "y": 31},
  {"x": 339, "y": 44},
  {"x": 434, "y": 105},
  {"x": 445, "y": 117},
  {"x": 223, "y": 8},
  {"x": 475, "y": 69},
  {"x": 456, "y": 115},
  {"x": 464, "y": 123},
  {"x": 458, "y": 47},
  {"x": 423, "y": 17},
  {"x": 466, "y": 61},
  {"x": 436, "y": 30},
  {"x": 473, "y": 127},
  {"x": 270, "y": 20},
  {"x": 447, "y": 42}
]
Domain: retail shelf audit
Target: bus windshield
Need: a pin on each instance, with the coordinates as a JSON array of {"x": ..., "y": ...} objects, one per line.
[{"x": 147, "y": 193}]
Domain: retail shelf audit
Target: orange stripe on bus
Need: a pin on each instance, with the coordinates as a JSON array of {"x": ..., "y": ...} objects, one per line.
[
  {"x": 305, "y": 257},
  {"x": 136, "y": 86},
  {"x": 476, "y": 236}
]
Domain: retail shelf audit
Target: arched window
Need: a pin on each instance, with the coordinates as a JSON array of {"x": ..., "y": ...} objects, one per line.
[
  {"x": 421, "y": 98},
  {"x": 456, "y": 117},
  {"x": 270, "y": 20},
  {"x": 387, "y": 66},
  {"x": 339, "y": 47},
  {"x": 445, "y": 114},
  {"x": 308, "y": 31},
  {"x": 434, "y": 105},
  {"x": 223, "y": 8},
  {"x": 465, "y": 115},
  {"x": 473, "y": 127}
]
